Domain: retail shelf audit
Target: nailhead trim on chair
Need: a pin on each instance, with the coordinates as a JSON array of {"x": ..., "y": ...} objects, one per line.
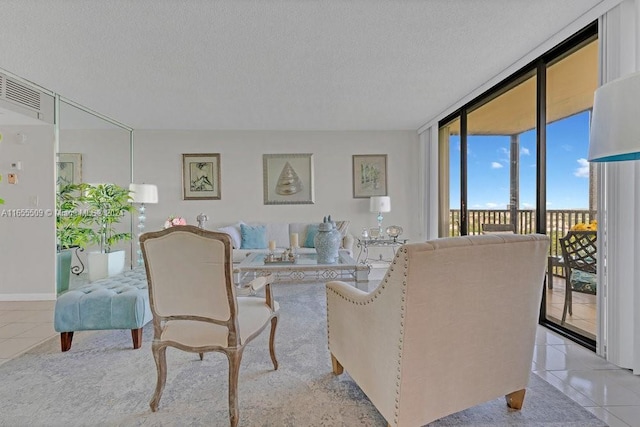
[
  {"x": 382, "y": 286},
  {"x": 400, "y": 344}
]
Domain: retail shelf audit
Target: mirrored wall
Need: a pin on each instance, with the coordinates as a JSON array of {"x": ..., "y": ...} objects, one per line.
[{"x": 93, "y": 149}]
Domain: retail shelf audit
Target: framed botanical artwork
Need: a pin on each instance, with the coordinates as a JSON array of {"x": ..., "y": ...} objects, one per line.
[
  {"x": 288, "y": 179},
  {"x": 369, "y": 175},
  {"x": 68, "y": 169},
  {"x": 201, "y": 176}
]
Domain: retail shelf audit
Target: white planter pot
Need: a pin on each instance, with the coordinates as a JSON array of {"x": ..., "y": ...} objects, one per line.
[{"x": 104, "y": 265}]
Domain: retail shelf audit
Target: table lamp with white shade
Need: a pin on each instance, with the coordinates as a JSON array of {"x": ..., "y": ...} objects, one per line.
[
  {"x": 615, "y": 124},
  {"x": 142, "y": 194},
  {"x": 380, "y": 205}
]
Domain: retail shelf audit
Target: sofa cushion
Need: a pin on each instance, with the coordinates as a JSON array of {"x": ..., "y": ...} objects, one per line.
[
  {"x": 278, "y": 231},
  {"x": 312, "y": 230},
  {"x": 234, "y": 232},
  {"x": 582, "y": 281},
  {"x": 253, "y": 237},
  {"x": 343, "y": 227}
]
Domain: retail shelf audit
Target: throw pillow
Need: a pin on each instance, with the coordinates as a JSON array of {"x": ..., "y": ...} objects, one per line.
[
  {"x": 234, "y": 232},
  {"x": 312, "y": 230},
  {"x": 343, "y": 227},
  {"x": 253, "y": 237}
]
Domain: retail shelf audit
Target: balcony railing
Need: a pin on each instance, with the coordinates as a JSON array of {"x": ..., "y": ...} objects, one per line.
[{"x": 558, "y": 222}]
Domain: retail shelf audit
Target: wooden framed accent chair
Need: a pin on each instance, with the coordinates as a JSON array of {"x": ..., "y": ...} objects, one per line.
[
  {"x": 451, "y": 325},
  {"x": 579, "y": 259},
  {"x": 194, "y": 303}
]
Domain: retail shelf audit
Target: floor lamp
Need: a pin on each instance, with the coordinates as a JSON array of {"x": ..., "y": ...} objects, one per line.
[{"x": 142, "y": 194}]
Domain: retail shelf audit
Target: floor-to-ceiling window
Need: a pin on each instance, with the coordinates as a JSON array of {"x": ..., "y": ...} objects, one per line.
[
  {"x": 572, "y": 78},
  {"x": 516, "y": 157}
]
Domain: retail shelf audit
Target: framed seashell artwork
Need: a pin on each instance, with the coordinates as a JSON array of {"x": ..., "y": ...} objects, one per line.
[{"x": 288, "y": 179}]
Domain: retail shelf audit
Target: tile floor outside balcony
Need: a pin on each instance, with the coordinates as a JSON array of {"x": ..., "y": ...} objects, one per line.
[{"x": 583, "y": 319}]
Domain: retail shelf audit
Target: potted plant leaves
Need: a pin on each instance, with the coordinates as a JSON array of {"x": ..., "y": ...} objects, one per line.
[
  {"x": 106, "y": 206},
  {"x": 70, "y": 231}
]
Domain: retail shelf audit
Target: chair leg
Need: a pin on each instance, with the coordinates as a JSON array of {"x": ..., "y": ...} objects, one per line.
[
  {"x": 65, "y": 340},
  {"x": 567, "y": 298},
  {"x": 515, "y": 399},
  {"x": 136, "y": 335},
  {"x": 272, "y": 336},
  {"x": 160, "y": 356},
  {"x": 234, "y": 369},
  {"x": 201, "y": 356},
  {"x": 336, "y": 366}
]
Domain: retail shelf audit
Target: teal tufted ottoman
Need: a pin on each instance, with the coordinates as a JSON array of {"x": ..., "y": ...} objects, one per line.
[{"x": 117, "y": 302}]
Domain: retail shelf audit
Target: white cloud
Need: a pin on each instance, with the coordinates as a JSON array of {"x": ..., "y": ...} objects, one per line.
[
  {"x": 491, "y": 205},
  {"x": 496, "y": 165},
  {"x": 503, "y": 150},
  {"x": 524, "y": 151},
  {"x": 528, "y": 205},
  {"x": 567, "y": 147},
  {"x": 583, "y": 170}
]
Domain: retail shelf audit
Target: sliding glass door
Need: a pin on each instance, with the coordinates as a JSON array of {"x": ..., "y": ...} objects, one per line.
[
  {"x": 516, "y": 157},
  {"x": 572, "y": 79}
]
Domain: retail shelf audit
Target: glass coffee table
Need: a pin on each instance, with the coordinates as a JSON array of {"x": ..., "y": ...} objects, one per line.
[{"x": 305, "y": 269}]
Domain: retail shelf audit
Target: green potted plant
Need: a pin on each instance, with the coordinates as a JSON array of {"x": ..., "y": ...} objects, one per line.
[
  {"x": 70, "y": 232},
  {"x": 106, "y": 205}
]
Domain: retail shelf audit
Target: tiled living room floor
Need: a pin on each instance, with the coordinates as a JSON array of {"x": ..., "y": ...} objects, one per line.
[
  {"x": 611, "y": 393},
  {"x": 23, "y": 325}
]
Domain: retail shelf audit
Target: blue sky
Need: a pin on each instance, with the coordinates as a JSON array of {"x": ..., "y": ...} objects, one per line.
[{"x": 488, "y": 168}]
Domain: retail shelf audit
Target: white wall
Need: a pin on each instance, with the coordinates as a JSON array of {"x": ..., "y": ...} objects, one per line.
[
  {"x": 158, "y": 160},
  {"x": 27, "y": 244}
]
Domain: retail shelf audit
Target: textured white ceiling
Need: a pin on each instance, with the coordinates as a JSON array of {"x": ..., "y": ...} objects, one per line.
[{"x": 272, "y": 64}]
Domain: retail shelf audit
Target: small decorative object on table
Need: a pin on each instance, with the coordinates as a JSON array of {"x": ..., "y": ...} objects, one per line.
[
  {"x": 394, "y": 231},
  {"x": 327, "y": 242},
  {"x": 174, "y": 220},
  {"x": 287, "y": 257},
  {"x": 202, "y": 218},
  {"x": 374, "y": 233},
  {"x": 365, "y": 233}
]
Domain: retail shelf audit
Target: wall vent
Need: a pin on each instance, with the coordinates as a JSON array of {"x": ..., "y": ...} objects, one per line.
[
  {"x": 21, "y": 94},
  {"x": 26, "y": 99}
]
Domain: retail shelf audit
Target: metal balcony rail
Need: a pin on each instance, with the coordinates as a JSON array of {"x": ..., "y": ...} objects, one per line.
[{"x": 559, "y": 222}]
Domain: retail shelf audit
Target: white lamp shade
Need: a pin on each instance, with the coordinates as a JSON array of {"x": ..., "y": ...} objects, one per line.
[
  {"x": 144, "y": 193},
  {"x": 615, "y": 125},
  {"x": 380, "y": 204}
]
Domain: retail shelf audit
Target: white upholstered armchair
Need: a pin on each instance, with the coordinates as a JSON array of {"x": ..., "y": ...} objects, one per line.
[{"x": 451, "y": 325}]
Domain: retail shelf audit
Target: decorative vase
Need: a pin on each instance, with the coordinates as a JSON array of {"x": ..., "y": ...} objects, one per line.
[{"x": 327, "y": 242}]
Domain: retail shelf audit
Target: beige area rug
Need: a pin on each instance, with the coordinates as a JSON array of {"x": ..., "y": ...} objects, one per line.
[{"x": 102, "y": 381}]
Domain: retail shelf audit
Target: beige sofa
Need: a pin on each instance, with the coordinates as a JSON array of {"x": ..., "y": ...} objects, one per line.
[
  {"x": 281, "y": 233},
  {"x": 451, "y": 325}
]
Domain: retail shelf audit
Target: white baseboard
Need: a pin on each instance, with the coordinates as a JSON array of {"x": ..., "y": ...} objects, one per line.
[{"x": 27, "y": 297}]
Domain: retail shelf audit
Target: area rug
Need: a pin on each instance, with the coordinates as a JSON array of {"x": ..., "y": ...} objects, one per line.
[{"x": 102, "y": 381}]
